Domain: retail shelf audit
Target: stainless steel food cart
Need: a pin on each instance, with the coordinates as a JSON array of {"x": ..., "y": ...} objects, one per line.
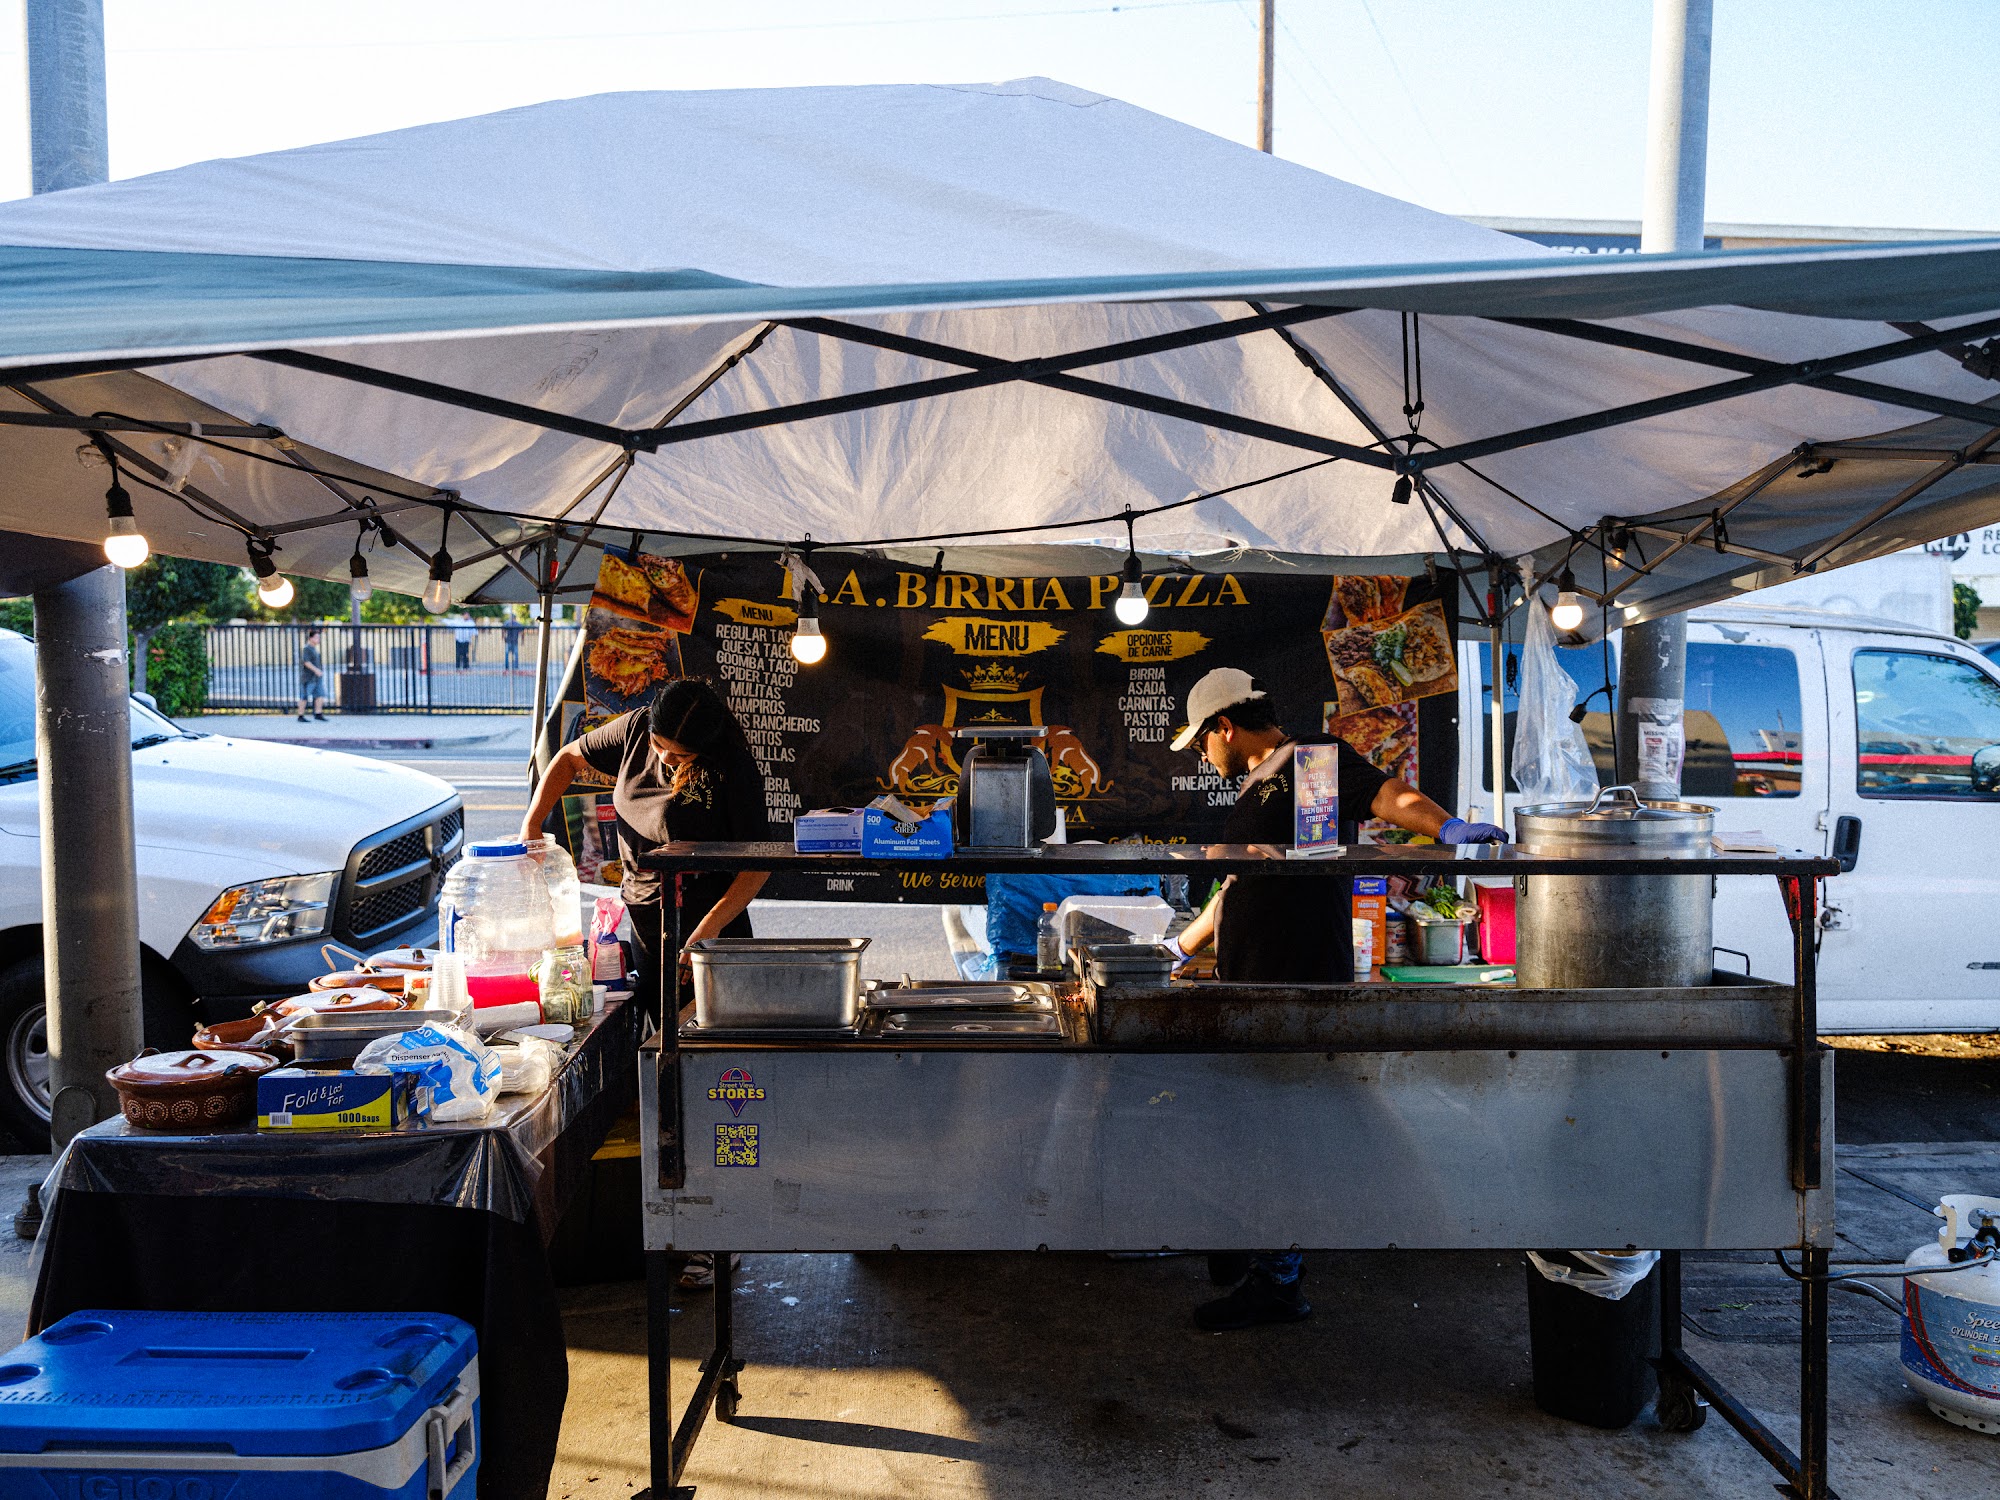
[{"x": 1219, "y": 1117}]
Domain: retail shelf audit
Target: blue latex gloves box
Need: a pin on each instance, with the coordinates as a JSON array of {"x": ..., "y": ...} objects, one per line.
[{"x": 828, "y": 830}]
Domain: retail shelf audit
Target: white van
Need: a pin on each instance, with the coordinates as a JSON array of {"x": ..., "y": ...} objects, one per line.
[
  {"x": 251, "y": 856},
  {"x": 1834, "y": 732}
]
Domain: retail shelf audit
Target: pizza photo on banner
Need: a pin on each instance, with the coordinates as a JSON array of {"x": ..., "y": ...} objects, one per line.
[{"x": 914, "y": 655}]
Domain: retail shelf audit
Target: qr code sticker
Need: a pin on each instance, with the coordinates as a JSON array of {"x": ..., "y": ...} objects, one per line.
[{"x": 736, "y": 1145}]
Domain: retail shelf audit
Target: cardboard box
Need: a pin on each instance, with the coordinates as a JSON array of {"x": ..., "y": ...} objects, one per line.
[
  {"x": 828, "y": 830},
  {"x": 1371, "y": 904},
  {"x": 882, "y": 837},
  {"x": 310, "y": 1099}
]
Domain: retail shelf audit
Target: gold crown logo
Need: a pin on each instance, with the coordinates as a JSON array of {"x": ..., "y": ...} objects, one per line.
[{"x": 994, "y": 677}]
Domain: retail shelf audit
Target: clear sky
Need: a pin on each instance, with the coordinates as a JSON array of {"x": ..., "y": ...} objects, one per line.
[{"x": 1826, "y": 112}]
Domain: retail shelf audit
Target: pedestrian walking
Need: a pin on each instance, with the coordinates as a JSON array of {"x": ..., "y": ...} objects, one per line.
[
  {"x": 312, "y": 677},
  {"x": 510, "y": 642},
  {"x": 462, "y": 638}
]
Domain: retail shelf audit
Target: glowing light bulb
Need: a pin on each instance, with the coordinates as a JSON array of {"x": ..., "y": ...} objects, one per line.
[
  {"x": 125, "y": 546},
  {"x": 1566, "y": 614},
  {"x": 808, "y": 645},
  {"x": 1131, "y": 607},
  {"x": 276, "y": 591}
]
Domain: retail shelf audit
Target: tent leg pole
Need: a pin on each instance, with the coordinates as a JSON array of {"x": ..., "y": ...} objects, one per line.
[
  {"x": 545, "y": 610},
  {"x": 1496, "y": 606}
]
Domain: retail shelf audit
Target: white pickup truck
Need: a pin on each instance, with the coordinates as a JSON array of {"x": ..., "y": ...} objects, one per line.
[{"x": 251, "y": 855}]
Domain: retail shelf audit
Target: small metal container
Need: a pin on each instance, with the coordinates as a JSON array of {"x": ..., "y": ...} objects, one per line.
[
  {"x": 795, "y": 983},
  {"x": 334, "y": 1036},
  {"x": 1436, "y": 942},
  {"x": 1150, "y": 964}
]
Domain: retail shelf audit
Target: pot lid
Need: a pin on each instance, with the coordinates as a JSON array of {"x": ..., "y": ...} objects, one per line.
[
  {"x": 189, "y": 1064},
  {"x": 1619, "y": 804}
]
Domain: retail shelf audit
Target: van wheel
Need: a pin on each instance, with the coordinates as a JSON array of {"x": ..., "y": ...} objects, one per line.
[{"x": 24, "y": 1039}]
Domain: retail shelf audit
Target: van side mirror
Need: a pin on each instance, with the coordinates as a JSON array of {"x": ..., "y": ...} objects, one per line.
[{"x": 1986, "y": 771}]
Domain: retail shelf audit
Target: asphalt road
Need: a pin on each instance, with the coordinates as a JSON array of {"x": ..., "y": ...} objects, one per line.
[{"x": 494, "y": 784}]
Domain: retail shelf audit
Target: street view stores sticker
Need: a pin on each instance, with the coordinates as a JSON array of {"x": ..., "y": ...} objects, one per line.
[{"x": 736, "y": 1145}]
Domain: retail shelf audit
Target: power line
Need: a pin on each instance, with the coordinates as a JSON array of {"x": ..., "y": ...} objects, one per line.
[
  {"x": 1410, "y": 94},
  {"x": 1389, "y": 165}
]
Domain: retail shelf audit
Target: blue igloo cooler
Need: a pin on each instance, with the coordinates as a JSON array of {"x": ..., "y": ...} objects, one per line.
[{"x": 198, "y": 1406}]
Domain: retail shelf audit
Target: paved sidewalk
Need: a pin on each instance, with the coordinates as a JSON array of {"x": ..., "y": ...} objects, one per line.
[{"x": 373, "y": 731}]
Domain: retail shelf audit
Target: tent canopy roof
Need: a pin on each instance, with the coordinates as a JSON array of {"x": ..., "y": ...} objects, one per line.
[{"x": 676, "y": 313}]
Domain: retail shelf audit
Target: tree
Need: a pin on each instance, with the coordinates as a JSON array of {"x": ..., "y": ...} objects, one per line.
[
  {"x": 162, "y": 590},
  {"x": 1965, "y": 603}
]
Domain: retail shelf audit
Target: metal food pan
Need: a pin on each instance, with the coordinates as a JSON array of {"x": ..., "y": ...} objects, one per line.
[
  {"x": 337, "y": 1036},
  {"x": 948, "y": 996},
  {"x": 798, "y": 983}
]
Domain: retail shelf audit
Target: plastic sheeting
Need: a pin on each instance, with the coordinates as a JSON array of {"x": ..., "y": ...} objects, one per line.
[{"x": 495, "y": 1164}]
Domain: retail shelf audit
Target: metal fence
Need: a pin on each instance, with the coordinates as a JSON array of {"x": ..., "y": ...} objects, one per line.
[{"x": 384, "y": 669}]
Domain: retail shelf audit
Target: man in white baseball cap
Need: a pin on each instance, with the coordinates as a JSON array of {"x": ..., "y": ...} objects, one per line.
[{"x": 1277, "y": 930}]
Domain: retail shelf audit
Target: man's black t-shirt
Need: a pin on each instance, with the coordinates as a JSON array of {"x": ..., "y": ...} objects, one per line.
[
  {"x": 1290, "y": 929},
  {"x": 723, "y": 800}
]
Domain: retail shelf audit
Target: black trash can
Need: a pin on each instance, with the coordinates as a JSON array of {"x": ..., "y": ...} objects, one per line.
[{"x": 1592, "y": 1356}]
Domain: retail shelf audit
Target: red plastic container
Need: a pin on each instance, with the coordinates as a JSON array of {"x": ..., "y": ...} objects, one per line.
[{"x": 1496, "y": 922}]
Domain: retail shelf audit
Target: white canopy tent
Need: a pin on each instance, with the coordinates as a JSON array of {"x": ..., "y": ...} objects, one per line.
[{"x": 986, "y": 314}]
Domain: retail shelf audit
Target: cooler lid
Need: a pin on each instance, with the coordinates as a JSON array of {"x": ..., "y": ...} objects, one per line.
[{"x": 249, "y": 1383}]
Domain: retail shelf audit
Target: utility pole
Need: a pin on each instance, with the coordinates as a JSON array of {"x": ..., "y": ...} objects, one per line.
[
  {"x": 1267, "y": 41},
  {"x": 1652, "y": 677},
  {"x": 83, "y": 726}
]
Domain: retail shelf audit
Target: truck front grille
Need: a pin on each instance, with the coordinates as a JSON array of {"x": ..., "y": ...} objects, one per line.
[{"x": 393, "y": 875}]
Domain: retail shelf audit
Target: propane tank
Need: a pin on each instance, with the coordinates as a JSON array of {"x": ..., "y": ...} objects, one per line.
[{"x": 1951, "y": 1322}]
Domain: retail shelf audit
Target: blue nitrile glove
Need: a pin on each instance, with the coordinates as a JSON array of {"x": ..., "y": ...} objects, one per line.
[{"x": 1458, "y": 831}]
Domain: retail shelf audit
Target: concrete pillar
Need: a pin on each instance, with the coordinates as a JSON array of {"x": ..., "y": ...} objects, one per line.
[
  {"x": 67, "y": 141},
  {"x": 90, "y": 894},
  {"x": 1652, "y": 678},
  {"x": 1677, "y": 127}
]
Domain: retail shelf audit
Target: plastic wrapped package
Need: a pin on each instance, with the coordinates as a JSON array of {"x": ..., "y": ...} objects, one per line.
[
  {"x": 527, "y": 1063},
  {"x": 463, "y": 1073},
  {"x": 1551, "y": 760}
]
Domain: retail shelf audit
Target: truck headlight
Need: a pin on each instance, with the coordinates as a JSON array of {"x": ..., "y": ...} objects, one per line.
[{"x": 267, "y": 911}]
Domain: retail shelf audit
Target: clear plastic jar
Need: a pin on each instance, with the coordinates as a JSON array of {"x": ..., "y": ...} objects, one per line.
[
  {"x": 565, "y": 890},
  {"x": 495, "y": 914}
]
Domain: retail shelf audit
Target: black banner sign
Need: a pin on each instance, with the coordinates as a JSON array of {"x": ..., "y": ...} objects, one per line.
[{"x": 914, "y": 655}]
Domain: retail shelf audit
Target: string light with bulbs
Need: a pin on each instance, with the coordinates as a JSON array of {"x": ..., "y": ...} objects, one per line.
[
  {"x": 274, "y": 589},
  {"x": 1131, "y": 607},
  {"x": 124, "y": 544},
  {"x": 437, "y": 592},
  {"x": 1566, "y": 614},
  {"x": 360, "y": 587}
]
